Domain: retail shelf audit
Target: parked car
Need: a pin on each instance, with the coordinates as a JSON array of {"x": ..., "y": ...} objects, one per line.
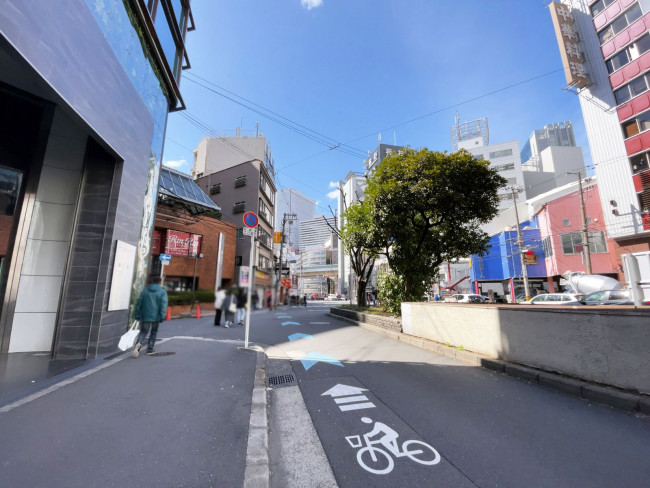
[
  {"x": 316, "y": 296},
  {"x": 610, "y": 297},
  {"x": 332, "y": 296},
  {"x": 470, "y": 298},
  {"x": 555, "y": 299}
]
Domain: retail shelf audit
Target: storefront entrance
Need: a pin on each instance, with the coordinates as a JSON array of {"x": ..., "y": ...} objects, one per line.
[{"x": 24, "y": 125}]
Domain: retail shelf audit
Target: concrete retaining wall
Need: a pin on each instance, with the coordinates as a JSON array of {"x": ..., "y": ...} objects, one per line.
[
  {"x": 609, "y": 346},
  {"x": 387, "y": 323}
]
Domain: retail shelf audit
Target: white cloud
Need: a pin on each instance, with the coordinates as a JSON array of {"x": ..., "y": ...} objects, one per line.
[
  {"x": 334, "y": 184},
  {"x": 310, "y": 4},
  {"x": 175, "y": 164},
  {"x": 333, "y": 195}
]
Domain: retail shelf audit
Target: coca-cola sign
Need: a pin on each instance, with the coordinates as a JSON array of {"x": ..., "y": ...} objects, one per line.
[{"x": 182, "y": 243}]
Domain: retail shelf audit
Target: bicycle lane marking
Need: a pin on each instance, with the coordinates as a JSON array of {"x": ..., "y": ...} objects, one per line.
[{"x": 402, "y": 459}]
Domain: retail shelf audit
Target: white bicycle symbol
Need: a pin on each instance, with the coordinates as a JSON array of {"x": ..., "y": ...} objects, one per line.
[{"x": 379, "y": 461}]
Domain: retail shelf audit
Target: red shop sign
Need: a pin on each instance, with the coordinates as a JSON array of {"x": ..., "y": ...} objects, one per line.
[{"x": 178, "y": 243}]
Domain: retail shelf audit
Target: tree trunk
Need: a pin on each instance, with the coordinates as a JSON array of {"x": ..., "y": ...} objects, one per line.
[{"x": 361, "y": 292}]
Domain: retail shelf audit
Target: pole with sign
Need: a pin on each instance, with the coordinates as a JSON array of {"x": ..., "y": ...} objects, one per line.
[
  {"x": 250, "y": 221},
  {"x": 164, "y": 261}
]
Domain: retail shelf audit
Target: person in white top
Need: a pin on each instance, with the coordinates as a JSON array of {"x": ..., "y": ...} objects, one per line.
[{"x": 218, "y": 306}]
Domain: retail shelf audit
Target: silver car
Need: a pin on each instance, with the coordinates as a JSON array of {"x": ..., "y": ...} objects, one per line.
[{"x": 555, "y": 299}]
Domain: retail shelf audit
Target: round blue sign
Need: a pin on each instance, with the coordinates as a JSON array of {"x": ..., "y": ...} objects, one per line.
[{"x": 250, "y": 220}]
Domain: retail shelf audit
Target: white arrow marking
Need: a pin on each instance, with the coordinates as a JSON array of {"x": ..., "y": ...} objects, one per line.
[
  {"x": 356, "y": 406},
  {"x": 343, "y": 390},
  {"x": 357, "y": 398}
]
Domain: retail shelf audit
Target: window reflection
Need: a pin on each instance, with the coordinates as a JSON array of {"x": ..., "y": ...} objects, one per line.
[
  {"x": 163, "y": 30},
  {"x": 9, "y": 189}
]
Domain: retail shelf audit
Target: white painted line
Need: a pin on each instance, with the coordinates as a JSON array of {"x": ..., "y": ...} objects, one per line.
[
  {"x": 358, "y": 398},
  {"x": 357, "y": 406},
  {"x": 319, "y": 323}
]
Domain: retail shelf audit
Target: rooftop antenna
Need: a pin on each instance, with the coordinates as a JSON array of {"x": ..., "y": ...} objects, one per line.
[{"x": 379, "y": 138}]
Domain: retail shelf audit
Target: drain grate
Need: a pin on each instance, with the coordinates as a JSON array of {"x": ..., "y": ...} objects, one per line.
[
  {"x": 281, "y": 380},
  {"x": 158, "y": 354}
]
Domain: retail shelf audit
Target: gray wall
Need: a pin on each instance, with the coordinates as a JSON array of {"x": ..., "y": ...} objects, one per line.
[
  {"x": 77, "y": 69},
  {"x": 605, "y": 346}
]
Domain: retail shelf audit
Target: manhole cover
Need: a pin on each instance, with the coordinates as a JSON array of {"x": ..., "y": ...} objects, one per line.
[
  {"x": 158, "y": 354},
  {"x": 281, "y": 380}
]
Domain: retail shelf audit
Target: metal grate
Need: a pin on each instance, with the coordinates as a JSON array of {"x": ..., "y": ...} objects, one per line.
[{"x": 281, "y": 380}]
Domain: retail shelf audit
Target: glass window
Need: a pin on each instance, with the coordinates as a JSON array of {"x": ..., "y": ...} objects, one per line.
[
  {"x": 639, "y": 163},
  {"x": 619, "y": 295},
  {"x": 622, "y": 95},
  {"x": 620, "y": 23},
  {"x": 640, "y": 47},
  {"x": 164, "y": 33},
  {"x": 10, "y": 182},
  {"x": 599, "y": 6},
  {"x": 644, "y": 121},
  {"x": 630, "y": 128},
  {"x": 638, "y": 86},
  {"x": 619, "y": 60},
  {"x": 240, "y": 233},
  {"x": 500, "y": 154},
  {"x": 597, "y": 242},
  {"x": 238, "y": 260}
]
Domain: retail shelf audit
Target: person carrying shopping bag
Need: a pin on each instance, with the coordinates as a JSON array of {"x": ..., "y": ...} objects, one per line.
[
  {"x": 150, "y": 310},
  {"x": 219, "y": 298},
  {"x": 230, "y": 306}
]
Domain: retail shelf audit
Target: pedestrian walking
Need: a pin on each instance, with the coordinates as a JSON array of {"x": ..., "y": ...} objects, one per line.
[
  {"x": 256, "y": 300},
  {"x": 269, "y": 304},
  {"x": 230, "y": 306},
  {"x": 150, "y": 310},
  {"x": 242, "y": 298},
  {"x": 304, "y": 300},
  {"x": 219, "y": 297}
]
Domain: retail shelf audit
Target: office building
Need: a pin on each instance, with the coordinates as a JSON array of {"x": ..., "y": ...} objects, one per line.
[
  {"x": 85, "y": 88},
  {"x": 238, "y": 174},
  {"x": 605, "y": 50},
  {"x": 550, "y": 159},
  {"x": 291, "y": 201}
]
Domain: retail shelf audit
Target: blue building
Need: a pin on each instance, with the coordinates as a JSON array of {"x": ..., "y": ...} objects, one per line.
[
  {"x": 500, "y": 269},
  {"x": 85, "y": 88}
]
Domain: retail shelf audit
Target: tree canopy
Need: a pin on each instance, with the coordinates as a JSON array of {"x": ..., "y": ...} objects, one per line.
[{"x": 427, "y": 208}]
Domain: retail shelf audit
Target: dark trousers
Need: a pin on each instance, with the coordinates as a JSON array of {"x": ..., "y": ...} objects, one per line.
[
  {"x": 217, "y": 316},
  {"x": 144, "y": 330}
]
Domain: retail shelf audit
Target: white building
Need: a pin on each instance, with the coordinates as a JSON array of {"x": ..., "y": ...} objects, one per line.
[
  {"x": 504, "y": 157},
  {"x": 291, "y": 201},
  {"x": 550, "y": 159}
]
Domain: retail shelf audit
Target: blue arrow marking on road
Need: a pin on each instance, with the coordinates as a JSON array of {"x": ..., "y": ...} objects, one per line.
[
  {"x": 290, "y": 323},
  {"x": 294, "y": 337},
  {"x": 313, "y": 357}
]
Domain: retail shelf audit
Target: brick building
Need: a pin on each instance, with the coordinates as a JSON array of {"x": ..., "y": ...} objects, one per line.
[{"x": 202, "y": 247}]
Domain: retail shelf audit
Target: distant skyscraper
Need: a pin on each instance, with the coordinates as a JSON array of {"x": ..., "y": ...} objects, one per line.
[{"x": 290, "y": 201}]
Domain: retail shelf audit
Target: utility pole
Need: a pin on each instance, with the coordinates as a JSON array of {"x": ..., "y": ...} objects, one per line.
[
  {"x": 520, "y": 243},
  {"x": 287, "y": 217},
  {"x": 585, "y": 232}
]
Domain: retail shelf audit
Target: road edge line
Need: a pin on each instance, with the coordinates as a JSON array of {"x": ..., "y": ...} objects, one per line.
[{"x": 257, "y": 473}]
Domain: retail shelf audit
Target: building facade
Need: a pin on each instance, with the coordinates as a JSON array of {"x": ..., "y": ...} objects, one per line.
[
  {"x": 86, "y": 87},
  {"x": 605, "y": 49},
  {"x": 291, "y": 201},
  {"x": 238, "y": 175}
]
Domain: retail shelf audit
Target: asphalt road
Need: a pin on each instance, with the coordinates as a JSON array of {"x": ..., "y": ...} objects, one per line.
[{"x": 488, "y": 429}]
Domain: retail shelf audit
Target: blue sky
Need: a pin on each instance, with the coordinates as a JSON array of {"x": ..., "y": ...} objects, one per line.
[{"x": 349, "y": 69}]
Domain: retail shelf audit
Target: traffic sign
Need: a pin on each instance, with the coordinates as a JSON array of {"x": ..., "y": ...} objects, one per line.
[
  {"x": 164, "y": 258},
  {"x": 247, "y": 231},
  {"x": 250, "y": 220}
]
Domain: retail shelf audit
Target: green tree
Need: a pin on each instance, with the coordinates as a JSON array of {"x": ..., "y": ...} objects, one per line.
[
  {"x": 427, "y": 208},
  {"x": 361, "y": 245}
]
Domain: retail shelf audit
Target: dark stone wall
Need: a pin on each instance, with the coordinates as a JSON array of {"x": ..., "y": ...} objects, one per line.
[{"x": 388, "y": 323}]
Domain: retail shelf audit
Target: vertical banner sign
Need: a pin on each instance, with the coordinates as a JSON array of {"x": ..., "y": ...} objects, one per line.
[
  {"x": 195, "y": 245},
  {"x": 277, "y": 238},
  {"x": 244, "y": 275},
  {"x": 568, "y": 41}
]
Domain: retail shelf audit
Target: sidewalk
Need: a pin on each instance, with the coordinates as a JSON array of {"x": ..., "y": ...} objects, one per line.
[{"x": 173, "y": 420}]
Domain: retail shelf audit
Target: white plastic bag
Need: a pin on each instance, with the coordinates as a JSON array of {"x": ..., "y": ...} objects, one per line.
[{"x": 128, "y": 340}]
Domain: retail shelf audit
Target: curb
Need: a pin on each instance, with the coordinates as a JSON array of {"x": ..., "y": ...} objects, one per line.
[
  {"x": 257, "y": 473},
  {"x": 613, "y": 397}
]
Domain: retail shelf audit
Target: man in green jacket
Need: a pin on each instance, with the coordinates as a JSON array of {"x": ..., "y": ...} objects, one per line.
[{"x": 150, "y": 310}]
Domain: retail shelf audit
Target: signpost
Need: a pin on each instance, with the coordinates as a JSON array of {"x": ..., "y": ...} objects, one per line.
[
  {"x": 250, "y": 221},
  {"x": 164, "y": 261}
]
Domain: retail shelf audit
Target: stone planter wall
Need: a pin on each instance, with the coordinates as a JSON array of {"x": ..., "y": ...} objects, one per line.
[{"x": 387, "y": 323}]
